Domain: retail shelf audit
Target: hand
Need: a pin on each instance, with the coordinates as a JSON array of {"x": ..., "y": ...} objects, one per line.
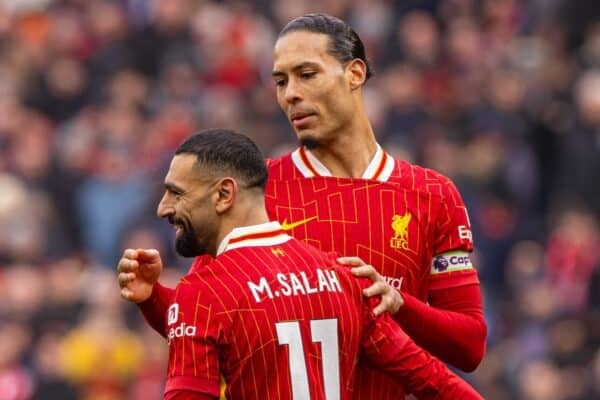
[
  {"x": 138, "y": 272},
  {"x": 391, "y": 299}
]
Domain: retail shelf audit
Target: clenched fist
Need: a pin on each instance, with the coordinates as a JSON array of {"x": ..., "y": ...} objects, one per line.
[{"x": 138, "y": 272}]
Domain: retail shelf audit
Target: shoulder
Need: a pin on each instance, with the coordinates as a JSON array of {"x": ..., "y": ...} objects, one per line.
[
  {"x": 419, "y": 178},
  {"x": 279, "y": 166},
  {"x": 189, "y": 293},
  {"x": 305, "y": 251},
  {"x": 274, "y": 164},
  {"x": 209, "y": 286},
  {"x": 203, "y": 275}
]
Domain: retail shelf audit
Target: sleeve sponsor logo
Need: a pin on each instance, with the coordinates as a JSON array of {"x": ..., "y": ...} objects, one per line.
[
  {"x": 464, "y": 233},
  {"x": 440, "y": 263},
  {"x": 173, "y": 314},
  {"x": 180, "y": 331},
  {"x": 451, "y": 261}
]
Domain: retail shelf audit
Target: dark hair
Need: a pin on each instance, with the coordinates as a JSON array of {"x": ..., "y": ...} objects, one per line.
[
  {"x": 345, "y": 44},
  {"x": 228, "y": 152}
]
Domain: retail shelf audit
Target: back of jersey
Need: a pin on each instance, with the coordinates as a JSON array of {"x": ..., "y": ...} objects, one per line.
[
  {"x": 297, "y": 325},
  {"x": 279, "y": 322}
]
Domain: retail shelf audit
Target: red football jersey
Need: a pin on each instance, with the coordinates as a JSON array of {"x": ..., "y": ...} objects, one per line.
[
  {"x": 409, "y": 222},
  {"x": 280, "y": 320}
]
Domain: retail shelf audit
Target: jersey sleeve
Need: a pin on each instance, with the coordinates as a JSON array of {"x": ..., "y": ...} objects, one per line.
[
  {"x": 194, "y": 337},
  {"x": 451, "y": 265},
  {"x": 458, "y": 314},
  {"x": 187, "y": 395},
  {"x": 155, "y": 307},
  {"x": 389, "y": 348}
]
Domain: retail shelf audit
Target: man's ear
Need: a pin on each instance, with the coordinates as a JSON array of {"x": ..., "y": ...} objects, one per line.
[
  {"x": 356, "y": 71},
  {"x": 225, "y": 194}
]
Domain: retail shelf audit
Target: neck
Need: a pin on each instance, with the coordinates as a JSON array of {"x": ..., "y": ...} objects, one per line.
[
  {"x": 350, "y": 153},
  {"x": 248, "y": 211}
]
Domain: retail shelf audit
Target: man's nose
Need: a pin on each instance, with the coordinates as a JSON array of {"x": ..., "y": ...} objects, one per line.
[
  {"x": 292, "y": 92},
  {"x": 165, "y": 208}
]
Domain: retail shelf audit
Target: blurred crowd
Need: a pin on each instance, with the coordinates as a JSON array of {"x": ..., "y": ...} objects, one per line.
[{"x": 503, "y": 96}]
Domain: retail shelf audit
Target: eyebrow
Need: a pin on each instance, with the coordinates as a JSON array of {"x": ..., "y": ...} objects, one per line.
[{"x": 296, "y": 68}]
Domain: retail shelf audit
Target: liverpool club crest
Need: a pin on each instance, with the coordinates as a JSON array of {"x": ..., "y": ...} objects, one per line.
[{"x": 400, "y": 227}]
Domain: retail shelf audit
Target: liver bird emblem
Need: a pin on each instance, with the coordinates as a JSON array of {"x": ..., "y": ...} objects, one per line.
[{"x": 400, "y": 227}]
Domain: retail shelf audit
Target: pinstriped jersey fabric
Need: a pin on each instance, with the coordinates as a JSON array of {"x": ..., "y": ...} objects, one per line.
[
  {"x": 224, "y": 316},
  {"x": 397, "y": 223}
]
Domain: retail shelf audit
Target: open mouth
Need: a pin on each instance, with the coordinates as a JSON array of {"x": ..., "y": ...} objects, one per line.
[
  {"x": 178, "y": 226},
  {"x": 178, "y": 230}
]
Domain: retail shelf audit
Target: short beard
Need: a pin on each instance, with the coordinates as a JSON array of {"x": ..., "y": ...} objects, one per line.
[
  {"x": 309, "y": 142},
  {"x": 187, "y": 245}
]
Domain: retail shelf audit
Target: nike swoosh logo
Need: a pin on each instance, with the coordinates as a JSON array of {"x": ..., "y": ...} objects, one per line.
[{"x": 289, "y": 226}]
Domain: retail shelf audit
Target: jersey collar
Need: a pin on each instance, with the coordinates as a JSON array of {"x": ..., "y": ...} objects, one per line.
[
  {"x": 380, "y": 168},
  {"x": 267, "y": 234}
]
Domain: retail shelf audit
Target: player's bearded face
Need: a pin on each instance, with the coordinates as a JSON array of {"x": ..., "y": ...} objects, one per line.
[
  {"x": 187, "y": 205},
  {"x": 196, "y": 228},
  {"x": 186, "y": 242}
]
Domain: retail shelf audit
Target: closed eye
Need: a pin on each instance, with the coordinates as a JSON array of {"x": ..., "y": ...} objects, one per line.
[{"x": 173, "y": 190}]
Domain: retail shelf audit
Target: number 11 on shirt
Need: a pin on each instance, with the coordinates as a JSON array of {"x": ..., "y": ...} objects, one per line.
[{"x": 323, "y": 331}]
